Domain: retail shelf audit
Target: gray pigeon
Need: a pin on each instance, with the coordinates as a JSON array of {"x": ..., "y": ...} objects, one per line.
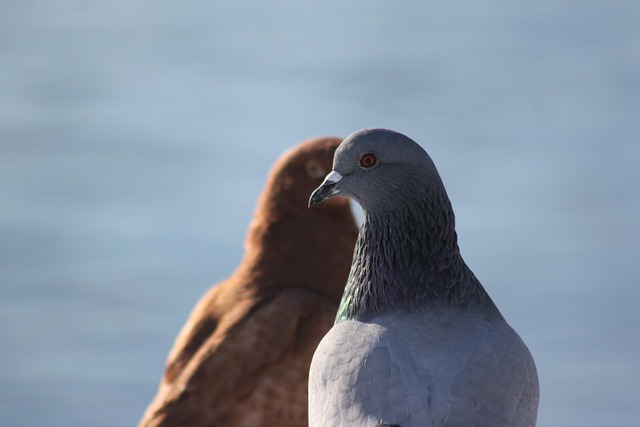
[{"x": 417, "y": 340}]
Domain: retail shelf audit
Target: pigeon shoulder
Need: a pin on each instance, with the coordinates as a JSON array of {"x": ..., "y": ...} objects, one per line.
[{"x": 500, "y": 380}]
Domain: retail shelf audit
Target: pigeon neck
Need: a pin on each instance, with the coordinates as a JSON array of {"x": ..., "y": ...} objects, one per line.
[{"x": 407, "y": 258}]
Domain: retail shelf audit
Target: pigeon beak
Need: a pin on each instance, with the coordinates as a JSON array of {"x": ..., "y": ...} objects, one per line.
[{"x": 326, "y": 190}]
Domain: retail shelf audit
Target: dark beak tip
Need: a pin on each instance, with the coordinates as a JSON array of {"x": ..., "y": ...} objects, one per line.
[
  {"x": 321, "y": 193},
  {"x": 314, "y": 199}
]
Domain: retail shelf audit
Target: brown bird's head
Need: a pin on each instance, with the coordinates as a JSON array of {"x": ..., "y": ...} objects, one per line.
[
  {"x": 294, "y": 174},
  {"x": 290, "y": 245}
]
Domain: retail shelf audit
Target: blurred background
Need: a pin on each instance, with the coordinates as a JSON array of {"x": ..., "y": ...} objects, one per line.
[{"x": 135, "y": 137}]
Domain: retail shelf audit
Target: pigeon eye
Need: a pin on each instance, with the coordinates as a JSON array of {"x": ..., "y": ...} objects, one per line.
[{"x": 368, "y": 160}]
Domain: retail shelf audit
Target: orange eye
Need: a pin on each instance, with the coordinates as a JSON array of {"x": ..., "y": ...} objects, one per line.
[{"x": 368, "y": 160}]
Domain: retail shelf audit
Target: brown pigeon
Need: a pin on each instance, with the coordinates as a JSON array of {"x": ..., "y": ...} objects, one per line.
[{"x": 242, "y": 359}]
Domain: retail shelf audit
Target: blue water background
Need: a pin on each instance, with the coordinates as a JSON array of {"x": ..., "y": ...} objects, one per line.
[{"x": 136, "y": 135}]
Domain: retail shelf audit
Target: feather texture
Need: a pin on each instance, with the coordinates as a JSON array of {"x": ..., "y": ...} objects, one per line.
[{"x": 417, "y": 341}]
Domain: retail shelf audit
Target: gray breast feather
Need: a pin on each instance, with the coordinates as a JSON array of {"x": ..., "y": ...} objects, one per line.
[{"x": 439, "y": 371}]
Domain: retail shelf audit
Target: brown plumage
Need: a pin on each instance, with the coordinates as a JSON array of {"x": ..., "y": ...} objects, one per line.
[{"x": 242, "y": 358}]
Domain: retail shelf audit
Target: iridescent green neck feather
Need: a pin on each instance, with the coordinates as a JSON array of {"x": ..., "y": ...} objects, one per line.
[{"x": 407, "y": 258}]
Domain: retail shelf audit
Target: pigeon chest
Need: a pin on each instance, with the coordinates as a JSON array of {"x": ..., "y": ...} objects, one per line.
[{"x": 407, "y": 370}]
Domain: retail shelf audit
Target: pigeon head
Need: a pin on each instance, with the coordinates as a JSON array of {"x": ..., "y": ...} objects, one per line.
[
  {"x": 407, "y": 254},
  {"x": 380, "y": 169}
]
